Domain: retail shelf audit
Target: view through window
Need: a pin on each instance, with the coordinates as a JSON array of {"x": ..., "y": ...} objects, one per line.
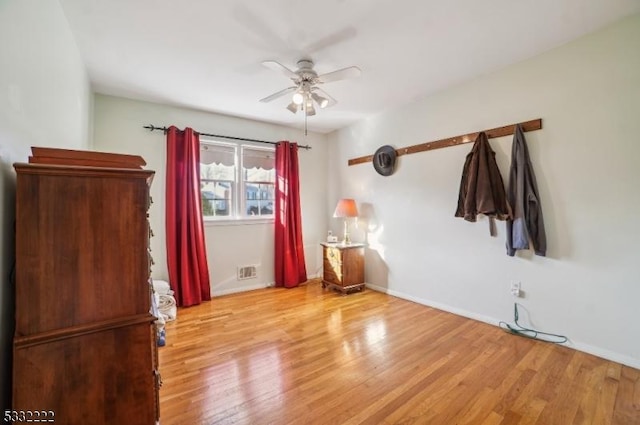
[{"x": 236, "y": 181}]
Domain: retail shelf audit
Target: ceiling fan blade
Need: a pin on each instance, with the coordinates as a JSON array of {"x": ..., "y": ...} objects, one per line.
[
  {"x": 331, "y": 39},
  {"x": 277, "y": 66},
  {"x": 326, "y": 95},
  {"x": 340, "y": 74},
  {"x": 279, "y": 94},
  {"x": 261, "y": 35}
]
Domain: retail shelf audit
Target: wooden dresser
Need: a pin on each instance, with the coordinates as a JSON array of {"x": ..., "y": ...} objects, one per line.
[
  {"x": 343, "y": 266},
  {"x": 84, "y": 345}
]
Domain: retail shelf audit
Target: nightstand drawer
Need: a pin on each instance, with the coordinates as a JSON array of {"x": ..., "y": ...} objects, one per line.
[
  {"x": 332, "y": 254},
  {"x": 332, "y": 277},
  {"x": 332, "y": 263}
]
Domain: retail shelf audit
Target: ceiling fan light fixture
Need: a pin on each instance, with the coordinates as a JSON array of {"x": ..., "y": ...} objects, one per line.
[
  {"x": 321, "y": 101},
  {"x": 293, "y": 107},
  {"x": 309, "y": 109},
  {"x": 298, "y": 98}
]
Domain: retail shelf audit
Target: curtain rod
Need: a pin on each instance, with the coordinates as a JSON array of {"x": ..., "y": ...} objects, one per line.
[{"x": 165, "y": 129}]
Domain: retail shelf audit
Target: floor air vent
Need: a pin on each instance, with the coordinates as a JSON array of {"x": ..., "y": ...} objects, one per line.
[{"x": 246, "y": 272}]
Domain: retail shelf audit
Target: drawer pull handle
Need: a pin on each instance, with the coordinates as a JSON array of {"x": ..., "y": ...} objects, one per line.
[{"x": 158, "y": 379}]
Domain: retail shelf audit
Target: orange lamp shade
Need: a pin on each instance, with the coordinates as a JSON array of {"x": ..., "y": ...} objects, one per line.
[{"x": 346, "y": 208}]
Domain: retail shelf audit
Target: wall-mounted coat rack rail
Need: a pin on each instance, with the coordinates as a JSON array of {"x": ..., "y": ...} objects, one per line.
[{"x": 457, "y": 140}]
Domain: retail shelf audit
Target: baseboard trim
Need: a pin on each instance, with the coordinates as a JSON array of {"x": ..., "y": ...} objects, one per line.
[
  {"x": 241, "y": 289},
  {"x": 576, "y": 345},
  {"x": 252, "y": 287}
]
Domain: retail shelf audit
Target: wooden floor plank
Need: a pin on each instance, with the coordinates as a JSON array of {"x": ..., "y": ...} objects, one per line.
[
  {"x": 312, "y": 356},
  {"x": 627, "y": 407}
]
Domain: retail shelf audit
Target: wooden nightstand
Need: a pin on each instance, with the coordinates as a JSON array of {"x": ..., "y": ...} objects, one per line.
[{"x": 343, "y": 266}]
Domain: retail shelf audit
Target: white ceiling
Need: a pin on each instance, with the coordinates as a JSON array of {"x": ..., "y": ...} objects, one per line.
[{"x": 207, "y": 54}]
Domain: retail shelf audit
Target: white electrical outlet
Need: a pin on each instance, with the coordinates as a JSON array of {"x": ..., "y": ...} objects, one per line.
[{"x": 515, "y": 288}]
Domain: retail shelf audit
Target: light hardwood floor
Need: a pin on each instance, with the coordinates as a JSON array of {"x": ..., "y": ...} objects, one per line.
[{"x": 313, "y": 356}]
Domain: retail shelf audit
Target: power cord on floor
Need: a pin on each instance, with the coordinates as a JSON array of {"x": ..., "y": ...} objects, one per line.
[{"x": 531, "y": 333}]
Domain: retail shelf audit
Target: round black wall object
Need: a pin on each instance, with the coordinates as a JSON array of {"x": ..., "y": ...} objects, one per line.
[{"x": 384, "y": 160}]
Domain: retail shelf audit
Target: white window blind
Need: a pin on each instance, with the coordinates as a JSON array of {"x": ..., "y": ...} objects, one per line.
[
  {"x": 217, "y": 154},
  {"x": 258, "y": 158}
]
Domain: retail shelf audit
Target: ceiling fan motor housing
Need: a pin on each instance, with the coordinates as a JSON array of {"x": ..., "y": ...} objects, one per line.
[{"x": 305, "y": 70}]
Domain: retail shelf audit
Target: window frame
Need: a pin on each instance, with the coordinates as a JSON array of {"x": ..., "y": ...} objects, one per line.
[{"x": 239, "y": 203}]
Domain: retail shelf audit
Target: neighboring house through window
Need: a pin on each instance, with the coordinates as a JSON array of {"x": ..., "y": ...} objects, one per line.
[{"x": 236, "y": 181}]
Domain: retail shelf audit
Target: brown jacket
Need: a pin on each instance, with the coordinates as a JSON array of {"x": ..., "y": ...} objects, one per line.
[{"x": 481, "y": 188}]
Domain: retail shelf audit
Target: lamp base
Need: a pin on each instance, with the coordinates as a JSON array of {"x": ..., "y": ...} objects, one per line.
[{"x": 347, "y": 239}]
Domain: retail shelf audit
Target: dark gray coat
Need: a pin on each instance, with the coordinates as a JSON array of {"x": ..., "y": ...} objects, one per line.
[{"x": 522, "y": 194}]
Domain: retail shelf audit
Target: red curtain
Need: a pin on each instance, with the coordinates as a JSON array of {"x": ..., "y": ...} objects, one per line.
[
  {"x": 186, "y": 251},
  {"x": 290, "y": 269}
]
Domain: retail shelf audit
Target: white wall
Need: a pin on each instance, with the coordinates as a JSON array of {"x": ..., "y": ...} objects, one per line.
[
  {"x": 118, "y": 128},
  {"x": 587, "y": 162},
  {"x": 44, "y": 101}
]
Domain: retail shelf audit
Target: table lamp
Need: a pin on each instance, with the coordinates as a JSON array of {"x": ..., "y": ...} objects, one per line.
[{"x": 346, "y": 208}]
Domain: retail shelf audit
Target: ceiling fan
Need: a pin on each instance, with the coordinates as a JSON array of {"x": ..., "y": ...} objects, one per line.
[{"x": 305, "y": 88}]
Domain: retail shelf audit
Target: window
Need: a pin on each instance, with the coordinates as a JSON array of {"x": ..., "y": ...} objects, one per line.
[
  {"x": 236, "y": 181},
  {"x": 258, "y": 179},
  {"x": 217, "y": 179}
]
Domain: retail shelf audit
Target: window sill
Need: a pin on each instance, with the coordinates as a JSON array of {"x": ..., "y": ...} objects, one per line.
[{"x": 237, "y": 221}]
